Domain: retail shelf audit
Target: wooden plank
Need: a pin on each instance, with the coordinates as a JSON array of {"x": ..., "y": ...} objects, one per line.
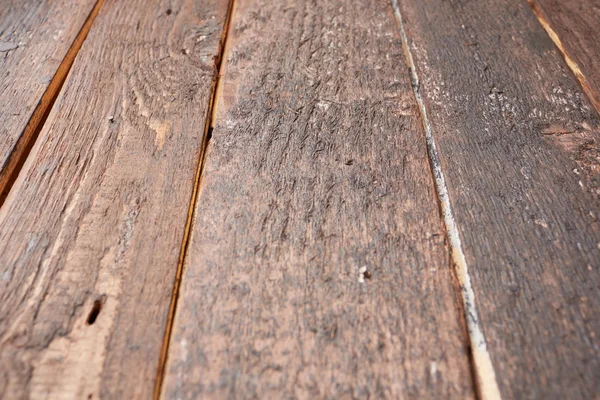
[
  {"x": 38, "y": 42},
  {"x": 317, "y": 167},
  {"x": 573, "y": 25},
  {"x": 90, "y": 234},
  {"x": 518, "y": 144}
]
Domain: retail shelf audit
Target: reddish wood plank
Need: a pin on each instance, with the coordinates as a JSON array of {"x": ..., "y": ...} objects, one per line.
[
  {"x": 519, "y": 146},
  {"x": 35, "y": 38},
  {"x": 316, "y": 168},
  {"x": 574, "y": 26},
  {"x": 90, "y": 234}
]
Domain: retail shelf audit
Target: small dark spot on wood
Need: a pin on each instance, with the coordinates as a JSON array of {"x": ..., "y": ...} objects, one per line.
[
  {"x": 95, "y": 311},
  {"x": 349, "y": 162},
  {"x": 169, "y": 11},
  {"x": 367, "y": 274}
]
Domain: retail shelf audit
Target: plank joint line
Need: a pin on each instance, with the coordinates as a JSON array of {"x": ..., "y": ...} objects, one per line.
[
  {"x": 486, "y": 383},
  {"x": 211, "y": 113},
  {"x": 573, "y": 66},
  {"x": 10, "y": 171}
]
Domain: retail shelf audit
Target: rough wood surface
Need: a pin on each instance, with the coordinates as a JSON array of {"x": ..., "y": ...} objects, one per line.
[
  {"x": 574, "y": 26},
  {"x": 35, "y": 37},
  {"x": 519, "y": 146},
  {"x": 90, "y": 234},
  {"x": 317, "y": 167}
]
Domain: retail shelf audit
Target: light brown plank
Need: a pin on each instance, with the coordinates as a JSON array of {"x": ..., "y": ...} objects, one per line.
[
  {"x": 518, "y": 145},
  {"x": 90, "y": 234},
  {"x": 574, "y": 26},
  {"x": 35, "y": 38},
  {"x": 317, "y": 167}
]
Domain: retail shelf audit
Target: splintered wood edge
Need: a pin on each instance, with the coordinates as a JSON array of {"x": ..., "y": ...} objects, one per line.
[{"x": 487, "y": 384}]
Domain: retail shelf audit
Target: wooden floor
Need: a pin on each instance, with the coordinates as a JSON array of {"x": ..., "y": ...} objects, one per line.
[{"x": 298, "y": 199}]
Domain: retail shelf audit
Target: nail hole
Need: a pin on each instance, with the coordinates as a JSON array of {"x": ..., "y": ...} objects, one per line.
[
  {"x": 363, "y": 273},
  {"x": 96, "y": 308},
  {"x": 169, "y": 11}
]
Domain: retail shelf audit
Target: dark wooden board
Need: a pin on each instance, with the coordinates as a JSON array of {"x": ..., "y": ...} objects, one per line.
[
  {"x": 574, "y": 26},
  {"x": 316, "y": 168},
  {"x": 35, "y": 38},
  {"x": 90, "y": 234},
  {"x": 518, "y": 144}
]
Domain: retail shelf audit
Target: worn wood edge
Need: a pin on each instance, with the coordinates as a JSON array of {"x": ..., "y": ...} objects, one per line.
[
  {"x": 215, "y": 92},
  {"x": 486, "y": 385},
  {"x": 572, "y": 64},
  {"x": 11, "y": 169}
]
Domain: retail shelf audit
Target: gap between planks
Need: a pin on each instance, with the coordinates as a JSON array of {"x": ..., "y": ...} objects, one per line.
[
  {"x": 573, "y": 66},
  {"x": 486, "y": 384},
  {"x": 210, "y": 115},
  {"x": 23, "y": 147}
]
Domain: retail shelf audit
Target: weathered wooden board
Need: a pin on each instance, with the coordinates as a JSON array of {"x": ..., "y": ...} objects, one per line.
[
  {"x": 317, "y": 167},
  {"x": 35, "y": 38},
  {"x": 519, "y": 146},
  {"x": 90, "y": 234},
  {"x": 574, "y": 26}
]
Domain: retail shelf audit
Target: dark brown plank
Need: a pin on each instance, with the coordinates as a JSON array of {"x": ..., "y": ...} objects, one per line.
[
  {"x": 317, "y": 167},
  {"x": 574, "y": 26},
  {"x": 90, "y": 234},
  {"x": 518, "y": 144},
  {"x": 35, "y": 38}
]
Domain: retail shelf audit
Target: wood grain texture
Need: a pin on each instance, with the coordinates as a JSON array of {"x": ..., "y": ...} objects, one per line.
[
  {"x": 35, "y": 37},
  {"x": 317, "y": 167},
  {"x": 574, "y": 26},
  {"x": 519, "y": 146},
  {"x": 91, "y": 232}
]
